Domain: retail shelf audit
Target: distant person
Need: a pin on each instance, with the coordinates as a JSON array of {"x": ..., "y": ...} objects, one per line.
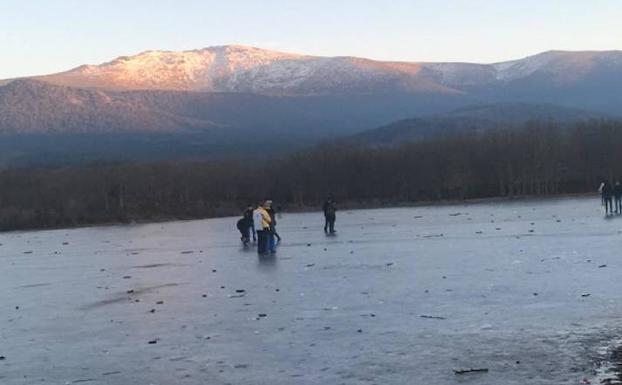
[
  {"x": 617, "y": 195},
  {"x": 261, "y": 220},
  {"x": 245, "y": 226},
  {"x": 600, "y": 191},
  {"x": 607, "y": 193},
  {"x": 248, "y": 214},
  {"x": 330, "y": 213},
  {"x": 273, "y": 237}
]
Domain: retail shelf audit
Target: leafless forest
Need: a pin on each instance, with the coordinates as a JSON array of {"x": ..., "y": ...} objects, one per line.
[{"x": 539, "y": 159}]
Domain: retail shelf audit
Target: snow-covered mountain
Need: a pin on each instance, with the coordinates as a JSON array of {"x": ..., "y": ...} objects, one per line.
[
  {"x": 252, "y": 70},
  {"x": 562, "y": 66},
  {"x": 248, "y": 70},
  {"x": 229, "y": 94}
]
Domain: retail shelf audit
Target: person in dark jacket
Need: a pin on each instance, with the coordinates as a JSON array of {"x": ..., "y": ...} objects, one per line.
[
  {"x": 245, "y": 226},
  {"x": 607, "y": 195},
  {"x": 617, "y": 195},
  {"x": 330, "y": 210},
  {"x": 248, "y": 214}
]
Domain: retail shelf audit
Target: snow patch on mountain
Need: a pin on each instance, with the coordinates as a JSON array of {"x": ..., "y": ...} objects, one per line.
[{"x": 253, "y": 70}]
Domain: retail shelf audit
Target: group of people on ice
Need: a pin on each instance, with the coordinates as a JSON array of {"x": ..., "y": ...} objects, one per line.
[
  {"x": 259, "y": 222},
  {"x": 610, "y": 195}
]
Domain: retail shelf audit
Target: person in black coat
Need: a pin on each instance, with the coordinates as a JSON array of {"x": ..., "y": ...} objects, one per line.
[
  {"x": 607, "y": 197},
  {"x": 246, "y": 226},
  {"x": 330, "y": 215},
  {"x": 248, "y": 214}
]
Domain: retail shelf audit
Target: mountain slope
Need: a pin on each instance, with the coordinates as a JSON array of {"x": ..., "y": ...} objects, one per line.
[
  {"x": 43, "y": 123},
  {"x": 34, "y": 107},
  {"x": 472, "y": 119},
  {"x": 247, "y": 70},
  {"x": 234, "y": 99},
  {"x": 584, "y": 79},
  {"x": 253, "y": 70},
  {"x": 31, "y": 106}
]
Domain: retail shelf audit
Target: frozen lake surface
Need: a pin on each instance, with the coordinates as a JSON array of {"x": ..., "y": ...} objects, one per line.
[{"x": 528, "y": 290}]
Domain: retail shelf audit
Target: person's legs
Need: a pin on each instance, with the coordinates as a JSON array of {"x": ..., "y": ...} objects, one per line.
[
  {"x": 245, "y": 236},
  {"x": 331, "y": 224},
  {"x": 252, "y": 230},
  {"x": 608, "y": 205},
  {"x": 261, "y": 242},
  {"x": 271, "y": 242},
  {"x": 266, "y": 242},
  {"x": 325, "y": 224}
]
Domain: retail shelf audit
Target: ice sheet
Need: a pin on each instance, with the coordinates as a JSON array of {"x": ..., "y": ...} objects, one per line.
[{"x": 529, "y": 290}]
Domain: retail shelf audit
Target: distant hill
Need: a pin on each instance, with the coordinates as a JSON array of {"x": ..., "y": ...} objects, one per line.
[
  {"x": 31, "y": 107},
  {"x": 243, "y": 69},
  {"x": 473, "y": 119},
  {"x": 584, "y": 79},
  {"x": 43, "y": 123},
  {"x": 237, "y": 100}
]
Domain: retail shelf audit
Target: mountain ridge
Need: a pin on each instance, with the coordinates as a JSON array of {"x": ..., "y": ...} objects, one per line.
[
  {"x": 475, "y": 119},
  {"x": 232, "y": 98},
  {"x": 238, "y": 68}
]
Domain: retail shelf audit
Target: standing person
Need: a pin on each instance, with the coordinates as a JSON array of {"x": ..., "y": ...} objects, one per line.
[
  {"x": 330, "y": 211},
  {"x": 248, "y": 214},
  {"x": 607, "y": 194},
  {"x": 617, "y": 195},
  {"x": 273, "y": 237},
  {"x": 246, "y": 227},
  {"x": 600, "y": 191},
  {"x": 325, "y": 208},
  {"x": 261, "y": 220},
  {"x": 242, "y": 226}
]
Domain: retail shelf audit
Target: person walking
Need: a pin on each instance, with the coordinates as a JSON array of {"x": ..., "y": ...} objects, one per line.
[
  {"x": 607, "y": 193},
  {"x": 261, "y": 220},
  {"x": 617, "y": 195},
  {"x": 330, "y": 211}
]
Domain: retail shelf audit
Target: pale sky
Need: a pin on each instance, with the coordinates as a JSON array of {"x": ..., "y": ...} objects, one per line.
[{"x": 46, "y": 36}]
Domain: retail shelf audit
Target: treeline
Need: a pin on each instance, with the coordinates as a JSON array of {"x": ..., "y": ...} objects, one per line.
[{"x": 539, "y": 159}]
